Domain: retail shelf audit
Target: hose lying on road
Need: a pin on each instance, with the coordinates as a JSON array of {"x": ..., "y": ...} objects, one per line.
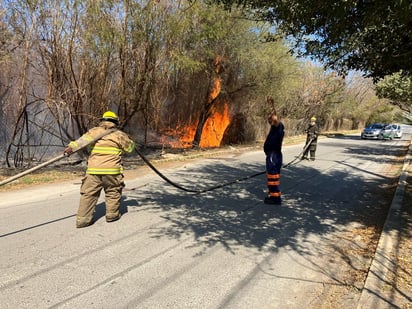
[
  {"x": 218, "y": 186},
  {"x": 187, "y": 189},
  {"x": 152, "y": 167},
  {"x": 300, "y": 156}
]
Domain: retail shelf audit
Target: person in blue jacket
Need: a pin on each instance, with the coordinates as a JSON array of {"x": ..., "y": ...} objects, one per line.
[{"x": 273, "y": 151}]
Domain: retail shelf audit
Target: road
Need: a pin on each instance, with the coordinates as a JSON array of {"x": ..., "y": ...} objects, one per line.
[{"x": 219, "y": 249}]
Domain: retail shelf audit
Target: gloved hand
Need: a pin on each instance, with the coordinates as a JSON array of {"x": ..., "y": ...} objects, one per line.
[{"x": 68, "y": 151}]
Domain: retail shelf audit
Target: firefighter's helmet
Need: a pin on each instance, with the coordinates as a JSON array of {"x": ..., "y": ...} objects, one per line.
[{"x": 110, "y": 116}]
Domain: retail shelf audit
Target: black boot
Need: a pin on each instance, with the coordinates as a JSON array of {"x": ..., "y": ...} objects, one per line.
[{"x": 270, "y": 200}]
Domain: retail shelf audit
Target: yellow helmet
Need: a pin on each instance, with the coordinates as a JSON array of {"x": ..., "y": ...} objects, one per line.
[
  {"x": 110, "y": 116},
  {"x": 313, "y": 119}
]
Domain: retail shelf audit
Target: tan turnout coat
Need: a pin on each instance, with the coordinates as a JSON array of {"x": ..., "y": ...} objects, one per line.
[{"x": 106, "y": 154}]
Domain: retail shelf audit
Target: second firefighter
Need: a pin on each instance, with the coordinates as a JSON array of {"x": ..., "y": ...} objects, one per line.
[
  {"x": 273, "y": 151},
  {"x": 312, "y": 133}
]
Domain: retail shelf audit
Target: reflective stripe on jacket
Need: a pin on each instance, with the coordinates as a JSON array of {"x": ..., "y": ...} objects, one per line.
[{"x": 106, "y": 154}]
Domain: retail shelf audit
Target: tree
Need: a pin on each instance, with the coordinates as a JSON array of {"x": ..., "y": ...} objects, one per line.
[
  {"x": 20, "y": 135},
  {"x": 5, "y": 50},
  {"x": 320, "y": 92},
  {"x": 361, "y": 105},
  {"x": 243, "y": 72},
  {"x": 398, "y": 89},
  {"x": 164, "y": 66},
  {"x": 210, "y": 48},
  {"x": 374, "y": 37}
]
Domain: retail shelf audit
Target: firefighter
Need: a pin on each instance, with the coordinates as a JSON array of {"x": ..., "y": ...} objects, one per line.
[
  {"x": 312, "y": 133},
  {"x": 273, "y": 151},
  {"x": 104, "y": 169}
]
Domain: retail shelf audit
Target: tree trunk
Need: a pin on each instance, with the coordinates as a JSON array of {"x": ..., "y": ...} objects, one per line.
[{"x": 211, "y": 100}]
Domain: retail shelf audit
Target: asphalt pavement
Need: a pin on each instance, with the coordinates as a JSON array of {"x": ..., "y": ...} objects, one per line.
[{"x": 220, "y": 249}]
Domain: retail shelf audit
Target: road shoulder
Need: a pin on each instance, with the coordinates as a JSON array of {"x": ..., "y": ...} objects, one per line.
[{"x": 382, "y": 288}]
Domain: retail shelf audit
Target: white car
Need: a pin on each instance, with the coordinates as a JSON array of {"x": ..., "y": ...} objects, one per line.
[
  {"x": 398, "y": 130},
  {"x": 390, "y": 131}
]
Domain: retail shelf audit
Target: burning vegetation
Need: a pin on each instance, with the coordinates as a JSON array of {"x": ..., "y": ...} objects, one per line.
[
  {"x": 213, "y": 130},
  {"x": 214, "y": 118}
]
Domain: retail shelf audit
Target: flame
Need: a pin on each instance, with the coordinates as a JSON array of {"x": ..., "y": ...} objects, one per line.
[
  {"x": 214, "y": 128},
  {"x": 212, "y": 134},
  {"x": 215, "y": 90},
  {"x": 187, "y": 136}
]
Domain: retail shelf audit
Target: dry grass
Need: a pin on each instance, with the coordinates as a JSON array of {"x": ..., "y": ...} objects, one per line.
[
  {"x": 41, "y": 177},
  {"x": 403, "y": 280}
]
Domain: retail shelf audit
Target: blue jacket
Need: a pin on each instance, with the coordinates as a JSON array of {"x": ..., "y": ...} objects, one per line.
[{"x": 273, "y": 142}]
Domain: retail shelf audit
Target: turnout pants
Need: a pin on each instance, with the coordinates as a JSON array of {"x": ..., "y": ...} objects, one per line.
[
  {"x": 273, "y": 166},
  {"x": 90, "y": 190},
  {"x": 311, "y": 149}
]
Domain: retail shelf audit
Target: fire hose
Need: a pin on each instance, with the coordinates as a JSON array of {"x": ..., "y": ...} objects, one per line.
[
  {"x": 8, "y": 180},
  {"x": 300, "y": 155},
  {"x": 64, "y": 155},
  {"x": 187, "y": 189},
  {"x": 220, "y": 185}
]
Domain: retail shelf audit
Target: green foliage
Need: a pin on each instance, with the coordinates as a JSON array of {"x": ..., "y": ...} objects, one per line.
[
  {"x": 397, "y": 88},
  {"x": 274, "y": 72},
  {"x": 364, "y": 106},
  {"x": 153, "y": 62},
  {"x": 374, "y": 37}
]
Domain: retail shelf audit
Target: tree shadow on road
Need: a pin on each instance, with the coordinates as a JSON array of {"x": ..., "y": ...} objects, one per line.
[
  {"x": 100, "y": 210},
  {"x": 321, "y": 209},
  {"x": 321, "y": 218},
  {"x": 311, "y": 197}
]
